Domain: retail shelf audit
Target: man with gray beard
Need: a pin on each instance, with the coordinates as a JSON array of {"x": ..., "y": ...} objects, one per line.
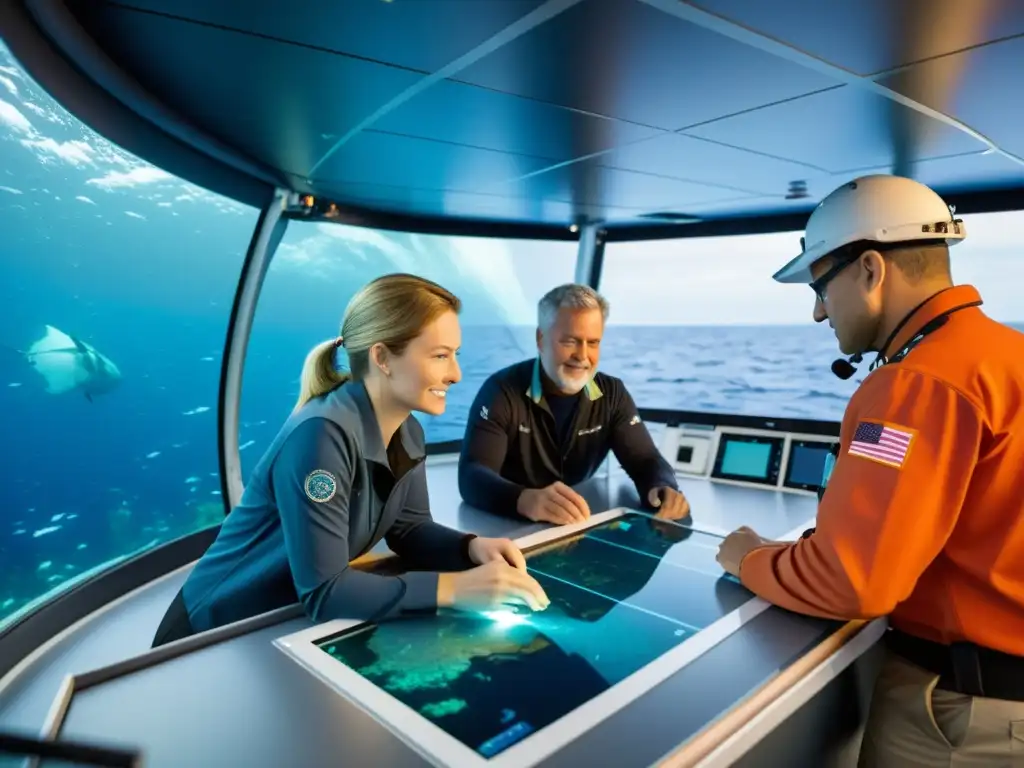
[{"x": 540, "y": 426}]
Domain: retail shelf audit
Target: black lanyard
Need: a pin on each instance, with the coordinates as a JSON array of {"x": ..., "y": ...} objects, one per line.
[{"x": 928, "y": 328}]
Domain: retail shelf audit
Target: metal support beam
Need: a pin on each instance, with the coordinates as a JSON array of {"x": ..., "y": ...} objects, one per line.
[
  {"x": 269, "y": 231},
  {"x": 597, "y": 261},
  {"x": 585, "y": 255}
]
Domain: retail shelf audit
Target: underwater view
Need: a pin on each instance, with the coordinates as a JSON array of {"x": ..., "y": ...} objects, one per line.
[{"x": 116, "y": 284}]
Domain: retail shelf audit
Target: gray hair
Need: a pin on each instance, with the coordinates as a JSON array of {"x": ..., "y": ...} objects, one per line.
[{"x": 569, "y": 296}]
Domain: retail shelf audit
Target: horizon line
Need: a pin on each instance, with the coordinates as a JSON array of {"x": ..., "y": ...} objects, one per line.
[{"x": 610, "y": 326}]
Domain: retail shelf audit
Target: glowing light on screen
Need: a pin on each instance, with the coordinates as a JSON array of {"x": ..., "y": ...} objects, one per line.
[{"x": 505, "y": 618}]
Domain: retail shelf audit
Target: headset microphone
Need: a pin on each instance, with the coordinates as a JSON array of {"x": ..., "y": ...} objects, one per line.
[{"x": 844, "y": 369}]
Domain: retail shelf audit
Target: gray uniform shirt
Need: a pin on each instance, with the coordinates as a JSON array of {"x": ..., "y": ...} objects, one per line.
[{"x": 323, "y": 494}]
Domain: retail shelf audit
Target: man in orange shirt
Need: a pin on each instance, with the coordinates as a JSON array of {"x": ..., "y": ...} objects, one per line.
[{"x": 922, "y": 519}]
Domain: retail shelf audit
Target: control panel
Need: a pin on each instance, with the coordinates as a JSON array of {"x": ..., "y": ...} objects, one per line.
[
  {"x": 692, "y": 452},
  {"x": 758, "y": 458}
]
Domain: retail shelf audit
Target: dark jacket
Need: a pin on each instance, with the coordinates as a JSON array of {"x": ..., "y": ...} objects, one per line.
[
  {"x": 511, "y": 440},
  {"x": 322, "y": 495}
]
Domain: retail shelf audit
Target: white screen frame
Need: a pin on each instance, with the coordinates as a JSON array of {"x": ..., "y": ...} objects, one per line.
[{"x": 437, "y": 746}]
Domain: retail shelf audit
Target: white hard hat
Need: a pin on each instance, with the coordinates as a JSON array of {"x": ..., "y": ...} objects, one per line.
[{"x": 877, "y": 209}]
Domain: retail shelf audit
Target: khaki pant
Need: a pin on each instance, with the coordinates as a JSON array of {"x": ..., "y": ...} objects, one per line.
[{"x": 914, "y": 725}]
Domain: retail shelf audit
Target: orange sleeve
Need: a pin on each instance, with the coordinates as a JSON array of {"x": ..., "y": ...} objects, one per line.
[{"x": 907, "y": 454}]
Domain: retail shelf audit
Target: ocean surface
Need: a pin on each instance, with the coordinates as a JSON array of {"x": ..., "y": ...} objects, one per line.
[{"x": 142, "y": 267}]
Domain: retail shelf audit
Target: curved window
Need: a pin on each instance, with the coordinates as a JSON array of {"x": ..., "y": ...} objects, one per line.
[
  {"x": 317, "y": 269},
  {"x": 117, "y": 279},
  {"x": 697, "y": 324}
]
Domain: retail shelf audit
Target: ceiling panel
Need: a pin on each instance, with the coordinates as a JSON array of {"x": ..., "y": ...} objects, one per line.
[
  {"x": 627, "y": 60},
  {"x": 465, "y": 114},
  {"x": 869, "y": 36},
  {"x": 290, "y": 129},
  {"x": 989, "y": 94},
  {"x": 768, "y": 205},
  {"x": 384, "y": 31},
  {"x": 972, "y": 172},
  {"x": 843, "y": 128},
  {"x": 691, "y": 159},
  {"x": 961, "y": 172},
  {"x": 571, "y": 119},
  {"x": 590, "y": 184},
  {"x": 383, "y": 158}
]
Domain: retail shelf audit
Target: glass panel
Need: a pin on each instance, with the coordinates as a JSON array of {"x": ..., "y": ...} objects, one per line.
[
  {"x": 620, "y": 598},
  {"x": 116, "y": 280},
  {"x": 698, "y": 324},
  {"x": 318, "y": 268},
  {"x": 638, "y": 559}
]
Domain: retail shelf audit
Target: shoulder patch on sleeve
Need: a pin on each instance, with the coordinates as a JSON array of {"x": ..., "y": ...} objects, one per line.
[
  {"x": 635, "y": 420},
  {"x": 887, "y": 444},
  {"x": 321, "y": 486}
]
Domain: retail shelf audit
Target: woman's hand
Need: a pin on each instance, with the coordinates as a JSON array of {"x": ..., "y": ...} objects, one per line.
[
  {"x": 483, "y": 550},
  {"x": 500, "y": 580},
  {"x": 489, "y": 587}
]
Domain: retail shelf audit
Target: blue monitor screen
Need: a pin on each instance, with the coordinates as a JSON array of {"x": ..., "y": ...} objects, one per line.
[
  {"x": 806, "y": 463},
  {"x": 622, "y": 594},
  {"x": 744, "y": 459}
]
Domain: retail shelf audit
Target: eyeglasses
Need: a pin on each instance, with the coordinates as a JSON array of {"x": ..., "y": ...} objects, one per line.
[
  {"x": 819, "y": 285},
  {"x": 847, "y": 255}
]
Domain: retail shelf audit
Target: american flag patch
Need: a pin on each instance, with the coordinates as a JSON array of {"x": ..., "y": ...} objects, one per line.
[{"x": 881, "y": 443}]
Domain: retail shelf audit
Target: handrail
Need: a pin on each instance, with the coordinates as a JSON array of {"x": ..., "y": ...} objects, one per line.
[
  {"x": 57, "y": 615},
  {"x": 71, "y": 752}
]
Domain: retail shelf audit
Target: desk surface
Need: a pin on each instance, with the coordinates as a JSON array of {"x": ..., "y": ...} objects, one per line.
[{"x": 243, "y": 702}]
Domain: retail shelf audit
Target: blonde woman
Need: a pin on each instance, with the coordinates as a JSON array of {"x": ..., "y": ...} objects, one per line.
[{"x": 347, "y": 470}]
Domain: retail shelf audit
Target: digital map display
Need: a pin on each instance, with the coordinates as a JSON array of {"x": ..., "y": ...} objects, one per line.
[{"x": 622, "y": 594}]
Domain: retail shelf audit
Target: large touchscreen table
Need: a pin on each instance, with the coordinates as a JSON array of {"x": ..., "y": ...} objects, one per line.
[{"x": 633, "y": 600}]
